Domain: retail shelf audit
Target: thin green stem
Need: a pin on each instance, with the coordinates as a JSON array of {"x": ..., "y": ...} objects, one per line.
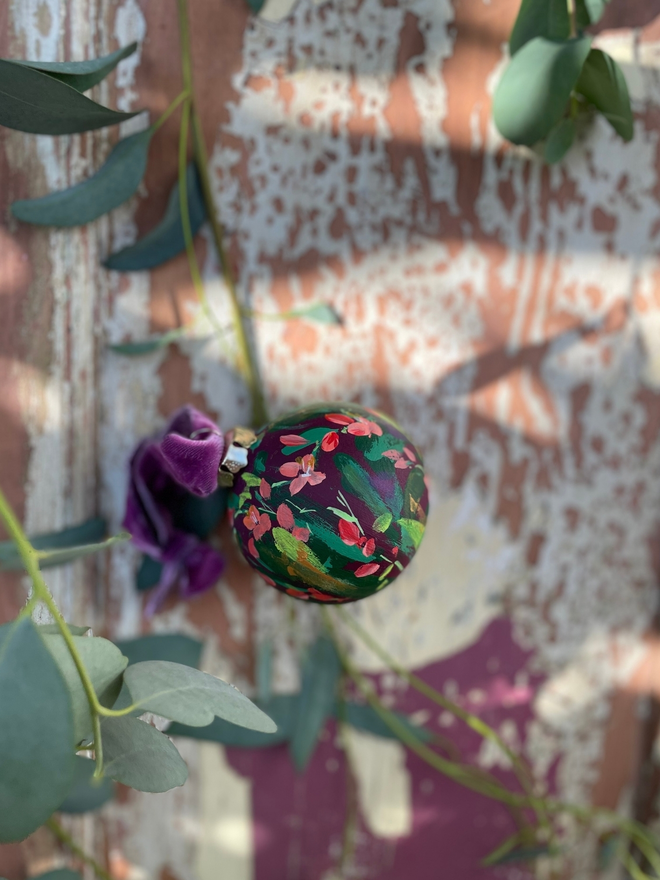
[
  {"x": 247, "y": 357},
  {"x": 68, "y": 841},
  {"x": 475, "y": 723},
  {"x": 170, "y": 110},
  {"x": 572, "y": 14}
]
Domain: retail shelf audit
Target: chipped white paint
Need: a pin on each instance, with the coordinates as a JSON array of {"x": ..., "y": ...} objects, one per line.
[
  {"x": 226, "y": 835},
  {"x": 383, "y": 783}
]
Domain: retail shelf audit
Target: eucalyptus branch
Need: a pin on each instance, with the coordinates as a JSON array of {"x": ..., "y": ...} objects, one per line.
[
  {"x": 68, "y": 841},
  {"x": 248, "y": 361}
]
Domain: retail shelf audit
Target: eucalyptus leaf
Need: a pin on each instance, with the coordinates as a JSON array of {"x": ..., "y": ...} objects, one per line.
[
  {"x": 320, "y": 677},
  {"x": 86, "y": 793},
  {"x": 113, "y": 184},
  {"x": 148, "y": 574},
  {"x": 104, "y": 663},
  {"x": 82, "y": 75},
  {"x": 52, "y": 629},
  {"x": 533, "y": 93},
  {"x": 322, "y": 313},
  {"x": 147, "y": 346},
  {"x": 589, "y": 11},
  {"x": 191, "y": 697},
  {"x": 559, "y": 141},
  {"x": 71, "y": 554},
  {"x": 364, "y": 717},
  {"x": 138, "y": 755},
  {"x": 89, "y": 532},
  {"x": 283, "y": 709},
  {"x": 540, "y": 18},
  {"x": 59, "y": 874},
  {"x": 166, "y": 239},
  {"x": 175, "y": 647},
  {"x": 36, "y": 738},
  {"x": 34, "y": 101},
  {"x": 256, "y": 6},
  {"x": 603, "y": 84}
]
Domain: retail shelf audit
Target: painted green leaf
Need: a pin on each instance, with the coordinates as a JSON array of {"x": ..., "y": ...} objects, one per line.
[
  {"x": 314, "y": 435},
  {"x": 376, "y": 446},
  {"x": 540, "y": 18},
  {"x": 382, "y": 522},
  {"x": 414, "y": 530},
  {"x": 282, "y": 708},
  {"x": 138, "y": 755},
  {"x": 356, "y": 480},
  {"x": 89, "y": 532},
  {"x": 166, "y": 239},
  {"x": 559, "y": 141},
  {"x": 104, "y": 663},
  {"x": 603, "y": 84},
  {"x": 113, "y": 184},
  {"x": 86, "y": 793},
  {"x": 251, "y": 480},
  {"x": 191, "y": 697},
  {"x": 320, "y": 676},
  {"x": 36, "y": 738},
  {"x": 364, "y": 717},
  {"x": 174, "y": 647},
  {"x": 33, "y": 101},
  {"x": 82, "y": 75},
  {"x": 147, "y": 346},
  {"x": 532, "y": 95}
]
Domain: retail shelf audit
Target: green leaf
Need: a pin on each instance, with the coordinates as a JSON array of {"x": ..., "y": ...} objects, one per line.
[
  {"x": 320, "y": 676},
  {"x": 322, "y": 313},
  {"x": 166, "y": 239},
  {"x": 414, "y": 530},
  {"x": 540, "y": 18},
  {"x": 264, "y": 673},
  {"x": 52, "y": 629},
  {"x": 36, "y": 102},
  {"x": 364, "y": 717},
  {"x": 532, "y": 95},
  {"x": 603, "y": 84},
  {"x": 82, "y": 75},
  {"x": 191, "y": 697},
  {"x": 36, "y": 738},
  {"x": 148, "y": 574},
  {"x": 559, "y": 141},
  {"x": 382, "y": 522},
  {"x": 59, "y": 874},
  {"x": 589, "y": 11},
  {"x": 104, "y": 663},
  {"x": 174, "y": 647},
  {"x": 86, "y": 793},
  {"x": 147, "y": 346},
  {"x": 71, "y": 554},
  {"x": 113, "y": 184},
  {"x": 138, "y": 755},
  {"x": 283, "y": 709},
  {"x": 89, "y": 532}
]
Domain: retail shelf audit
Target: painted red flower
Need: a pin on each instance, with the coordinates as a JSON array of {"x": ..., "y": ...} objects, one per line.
[
  {"x": 330, "y": 442},
  {"x": 339, "y": 419},
  {"x": 398, "y": 459},
  {"x": 367, "y": 569},
  {"x": 293, "y": 440},
  {"x": 351, "y": 535},
  {"x": 257, "y": 523},
  {"x": 324, "y": 597},
  {"x": 252, "y": 547},
  {"x": 302, "y": 471},
  {"x": 364, "y": 428},
  {"x": 264, "y": 490},
  {"x": 286, "y": 520}
]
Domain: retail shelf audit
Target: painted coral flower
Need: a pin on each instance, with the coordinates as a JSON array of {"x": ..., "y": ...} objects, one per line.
[
  {"x": 173, "y": 504},
  {"x": 257, "y": 523},
  {"x": 286, "y": 521},
  {"x": 400, "y": 460},
  {"x": 330, "y": 442},
  {"x": 358, "y": 426},
  {"x": 302, "y": 471},
  {"x": 351, "y": 535}
]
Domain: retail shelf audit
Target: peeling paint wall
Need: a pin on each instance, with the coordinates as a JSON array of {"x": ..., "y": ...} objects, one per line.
[{"x": 507, "y": 314}]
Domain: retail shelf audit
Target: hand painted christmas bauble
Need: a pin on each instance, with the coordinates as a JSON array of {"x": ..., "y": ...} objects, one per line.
[{"x": 332, "y": 503}]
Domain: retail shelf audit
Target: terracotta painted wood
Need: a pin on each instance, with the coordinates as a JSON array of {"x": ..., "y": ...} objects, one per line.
[{"x": 507, "y": 314}]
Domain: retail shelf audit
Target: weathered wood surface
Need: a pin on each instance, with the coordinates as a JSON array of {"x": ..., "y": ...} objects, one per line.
[{"x": 507, "y": 314}]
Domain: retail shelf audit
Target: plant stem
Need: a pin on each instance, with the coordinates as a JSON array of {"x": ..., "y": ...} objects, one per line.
[
  {"x": 248, "y": 361},
  {"x": 68, "y": 841},
  {"x": 572, "y": 14},
  {"x": 484, "y": 730},
  {"x": 170, "y": 110}
]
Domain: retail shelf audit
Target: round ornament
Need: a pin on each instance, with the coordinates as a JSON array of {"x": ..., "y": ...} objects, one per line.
[{"x": 331, "y": 504}]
